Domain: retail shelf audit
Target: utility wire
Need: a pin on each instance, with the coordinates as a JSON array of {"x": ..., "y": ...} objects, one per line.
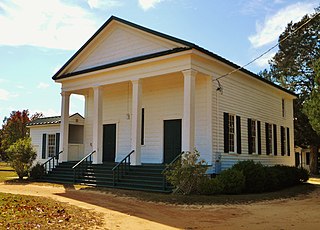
[{"x": 267, "y": 51}]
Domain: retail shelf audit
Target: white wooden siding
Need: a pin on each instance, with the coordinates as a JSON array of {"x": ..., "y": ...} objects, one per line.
[
  {"x": 162, "y": 98},
  {"x": 249, "y": 98},
  {"x": 122, "y": 43},
  {"x": 36, "y": 133}
]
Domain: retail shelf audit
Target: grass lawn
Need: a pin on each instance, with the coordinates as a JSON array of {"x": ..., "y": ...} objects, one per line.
[
  {"x": 26, "y": 212},
  {"x": 6, "y": 172}
]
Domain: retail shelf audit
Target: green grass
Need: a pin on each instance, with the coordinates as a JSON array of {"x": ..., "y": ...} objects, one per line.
[
  {"x": 27, "y": 212},
  {"x": 6, "y": 172}
]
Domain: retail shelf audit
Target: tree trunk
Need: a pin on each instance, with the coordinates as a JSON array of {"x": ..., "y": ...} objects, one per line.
[{"x": 314, "y": 159}]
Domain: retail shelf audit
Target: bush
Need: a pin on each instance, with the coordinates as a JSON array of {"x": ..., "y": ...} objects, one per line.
[
  {"x": 21, "y": 155},
  {"x": 187, "y": 173},
  {"x": 303, "y": 175},
  {"x": 231, "y": 181},
  {"x": 208, "y": 186},
  {"x": 254, "y": 174},
  {"x": 37, "y": 171}
]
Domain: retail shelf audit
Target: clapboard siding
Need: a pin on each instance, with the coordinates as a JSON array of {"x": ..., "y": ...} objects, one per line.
[
  {"x": 161, "y": 101},
  {"x": 36, "y": 133},
  {"x": 249, "y": 98},
  {"x": 122, "y": 43}
]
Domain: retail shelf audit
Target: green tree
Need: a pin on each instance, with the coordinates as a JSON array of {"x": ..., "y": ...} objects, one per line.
[
  {"x": 14, "y": 128},
  {"x": 293, "y": 67},
  {"x": 21, "y": 156}
]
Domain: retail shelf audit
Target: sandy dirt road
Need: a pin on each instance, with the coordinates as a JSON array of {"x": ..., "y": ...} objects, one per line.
[{"x": 301, "y": 212}]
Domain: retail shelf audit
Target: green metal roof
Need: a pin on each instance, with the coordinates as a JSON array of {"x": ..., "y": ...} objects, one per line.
[{"x": 49, "y": 120}]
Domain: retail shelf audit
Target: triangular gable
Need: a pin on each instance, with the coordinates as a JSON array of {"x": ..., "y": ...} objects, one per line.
[{"x": 118, "y": 40}]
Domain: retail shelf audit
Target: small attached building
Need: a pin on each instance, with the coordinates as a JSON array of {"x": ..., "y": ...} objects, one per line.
[
  {"x": 45, "y": 136},
  {"x": 159, "y": 95}
]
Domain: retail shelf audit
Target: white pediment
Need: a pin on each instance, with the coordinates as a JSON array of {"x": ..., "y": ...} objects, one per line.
[{"x": 120, "y": 43}]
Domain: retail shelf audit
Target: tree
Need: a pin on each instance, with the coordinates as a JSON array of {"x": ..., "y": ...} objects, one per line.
[
  {"x": 294, "y": 67},
  {"x": 21, "y": 156},
  {"x": 13, "y": 128}
]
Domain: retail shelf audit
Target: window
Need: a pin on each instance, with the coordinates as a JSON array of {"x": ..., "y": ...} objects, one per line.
[
  {"x": 142, "y": 126},
  {"x": 254, "y": 136},
  {"x": 283, "y": 108},
  {"x": 51, "y": 145},
  {"x": 283, "y": 141},
  {"x": 307, "y": 158},
  {"x": 269, "y": 138},
  {"x": 232, "y": 133}
]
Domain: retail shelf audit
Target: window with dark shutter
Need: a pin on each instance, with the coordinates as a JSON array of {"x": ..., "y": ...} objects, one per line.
[
  {"x": 259, "y": 136},
  {"x": 226, "y": 132},
  {"x": 275, "y": 142},
  {"x": 283, "y": 140},
  {"x": 288, "y": 142},
  {"x": 267, "y": 139},
  {"x": 238, "y": 130},
  {"x": 57, "y": 144},
  {"x": 44, "y": 145},
  {"x": 249, "y": 136}
]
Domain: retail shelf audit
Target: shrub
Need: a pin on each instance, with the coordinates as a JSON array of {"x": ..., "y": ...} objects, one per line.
[
  {"x": 37, "y": 171},
  {"x": 303, "y": 175},
  {"x": 272, "y": 181},
  {"x": 254, "y": 174},
  {"x": 231, "y": 181},
  {"x": 185, "y": 174},
  {"x": 208, "y": 186},
  {"x": 21, "y": 155}
]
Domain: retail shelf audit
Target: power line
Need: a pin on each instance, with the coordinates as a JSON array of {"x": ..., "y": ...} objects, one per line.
[{"x": 267, "y": 51}]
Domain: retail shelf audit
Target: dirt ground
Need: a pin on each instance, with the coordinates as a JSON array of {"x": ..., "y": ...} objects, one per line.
[{"x": 301, "y": 212}]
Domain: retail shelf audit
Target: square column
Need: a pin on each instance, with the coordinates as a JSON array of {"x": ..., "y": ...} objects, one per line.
[
  {"x": 188, "y": 121},
  {"x": 64, "y": 126},
  {"x": 136, "y": 122},
  {"x": 97, "y": 125}
]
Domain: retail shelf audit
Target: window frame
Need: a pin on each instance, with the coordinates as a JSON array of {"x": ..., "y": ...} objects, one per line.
[
  {"x": 234, "y": 134},
  {"x": 51, "y": 146}
]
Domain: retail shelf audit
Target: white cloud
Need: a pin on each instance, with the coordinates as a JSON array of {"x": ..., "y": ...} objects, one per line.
[
  {"x": 42, "y": 85},
  {"x": 104, "y": 4},
  {"x": 4, "y": 95},
  {"x": 53, "y": 24},
  {"x": 273, "y": 26},
  {"x": 47, "y": 113},
  {"x": 147, "y": 4}
]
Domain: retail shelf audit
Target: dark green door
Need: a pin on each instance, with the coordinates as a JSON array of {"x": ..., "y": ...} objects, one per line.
[
  {"x": 172, "y": 139},
  {"x": 109, "y": 142}
]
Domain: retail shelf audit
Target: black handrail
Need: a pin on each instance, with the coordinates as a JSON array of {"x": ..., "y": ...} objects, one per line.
[
  {"x": 121, "y": 168},
  {"x": 50, "y": 163},
  {"x": 167, "y": 168},
  {"x": 84, "y": 161}
]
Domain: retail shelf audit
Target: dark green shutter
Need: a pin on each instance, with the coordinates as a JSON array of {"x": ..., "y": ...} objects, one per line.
[
  {"x": 288, "y": 142},
  {"x": 44, "y": 145},
  {"x": 238, "y": 134},
  {"x": 259, "y": 136},
  {"x": 282, "y": 140},
  {"x": 226, "y": 131},
  {"x": 275, "y": 142},
  {"x": 267, "y": 139},
  {"x": 57, "y": 145},
  {"x": 249, "y": 136}
]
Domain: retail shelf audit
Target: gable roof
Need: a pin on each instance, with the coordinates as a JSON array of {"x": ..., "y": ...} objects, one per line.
[
  {"x": 49, "y": 120},
  {"x": 188, "y": 46}
]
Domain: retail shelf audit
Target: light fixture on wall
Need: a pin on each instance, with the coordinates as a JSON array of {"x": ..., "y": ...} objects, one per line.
[{"x": 128, "y": 116}]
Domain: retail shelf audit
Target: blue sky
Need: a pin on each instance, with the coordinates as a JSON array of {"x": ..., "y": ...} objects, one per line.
[{"x": 38, "y": 36}]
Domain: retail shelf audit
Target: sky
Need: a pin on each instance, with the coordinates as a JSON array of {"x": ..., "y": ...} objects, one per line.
[{"x": 38, "y": 36}]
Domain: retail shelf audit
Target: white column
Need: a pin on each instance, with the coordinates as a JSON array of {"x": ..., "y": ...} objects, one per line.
[
  {"x": 97, "y": 125},
  {"x": 136, "y": 122},
  {"x": 188, "y": 121},
  {"x": 64, "y": 126}
]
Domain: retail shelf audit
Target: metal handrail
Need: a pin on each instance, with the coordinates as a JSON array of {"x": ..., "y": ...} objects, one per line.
[
  {"x": 123, "y": 165},
  {"x": 167, "y": 168},
  {"x": 47, "y": 163},
  {"x": 84, "y": 159}
]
